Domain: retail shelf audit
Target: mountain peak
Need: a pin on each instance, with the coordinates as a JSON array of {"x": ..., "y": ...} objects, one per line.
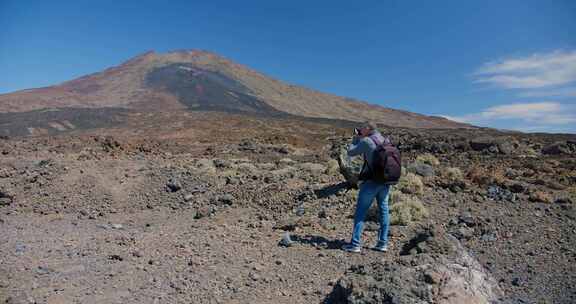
[{"x": 196, "y": 79}]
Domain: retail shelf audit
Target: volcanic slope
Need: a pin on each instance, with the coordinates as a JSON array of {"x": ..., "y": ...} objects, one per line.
[{"x": 200, "y": 80}]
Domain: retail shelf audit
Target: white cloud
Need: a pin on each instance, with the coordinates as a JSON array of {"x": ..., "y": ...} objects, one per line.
[
  {"x": 544, "y": 116},
  {"x": 543, "y": 75},
  {"x": 521, "y": 110},
  {"x": 532, "y": 72},
  {"x": 561, "y": 92}
]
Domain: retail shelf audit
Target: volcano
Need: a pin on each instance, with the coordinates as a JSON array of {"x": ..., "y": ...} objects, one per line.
[{"x": 194, "y": 80}]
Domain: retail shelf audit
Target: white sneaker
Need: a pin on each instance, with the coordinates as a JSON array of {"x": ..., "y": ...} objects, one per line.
[
  {"x": 351, "y": 248},
  {"x": 380, "y": 248}
]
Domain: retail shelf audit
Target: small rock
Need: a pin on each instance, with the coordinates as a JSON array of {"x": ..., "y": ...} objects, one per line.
[
  {"x": 5, "y": 201},
  {"x": 564, "y": 201},
  {"x": 465, "y": 233},
  {"x": 489, "y": 237},
  {"x": 188, "y": 197},
  {"x": 498, "y": 194},
  {"x": 432, "y": 277},
  {"x": 300, "y": 211},
  {"x": 493, "y": 149},
  {"x": 226, "y": 199},
  {"x": 203, "y": 212},
  {"x": 173, "y": 185},
  {"x": 115, "y": 257},
  {"x": 288, "y": 224},
  {"x": 517, "y": 187},
  {"x": 253, "y": 276},
  {"x": 117, "y": 226},
  {"x": 555, "y": 185},
  {"x": 371, "y": 226},
  {"x": 286, "y": 241},
  {"x": 467, "y": 219},
  {"x": 516, "y": 282},
  {"x": 43, "y": 270},
  {"x": 287, "y": 161},
  {"x": 220, "y": 163},
  {"x": 20, "y": 248}
]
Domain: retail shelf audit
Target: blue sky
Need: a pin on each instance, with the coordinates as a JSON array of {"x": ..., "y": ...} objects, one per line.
[{"x": 505, "y": 64}]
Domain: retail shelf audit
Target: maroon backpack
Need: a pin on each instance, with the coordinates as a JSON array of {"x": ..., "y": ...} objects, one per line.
[{"x": 386, "y": 167}]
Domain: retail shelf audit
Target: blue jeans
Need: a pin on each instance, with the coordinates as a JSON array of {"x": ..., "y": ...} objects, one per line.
[{"x": 368, "y": 191}]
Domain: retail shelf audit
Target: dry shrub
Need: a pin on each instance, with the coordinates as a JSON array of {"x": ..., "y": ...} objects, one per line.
[
  {"x": 351, "y": 195},
  {"x": 542, "y": 197},
  {"x": 454, "y": 174},
  {"x": 486, "y": 176},
  {"x": 228, "y": 173},
  {"x": 572, "y": 194},
  {"x": 332, "y": 167},
  {"x": 428, "y": 158},
  {"x": 451, "y": 178},
  {"x": 407, "y": 210},
  {"x": 395, "y": 196},
  {"x": 529, "y": 152},
  {"x": 205, "y": 166},
  {"x": 246, "y": 168},
  {"x": 411, "y": 183}
]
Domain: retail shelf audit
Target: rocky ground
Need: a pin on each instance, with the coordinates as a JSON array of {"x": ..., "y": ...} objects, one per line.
[{"x": 480, "y": 217}]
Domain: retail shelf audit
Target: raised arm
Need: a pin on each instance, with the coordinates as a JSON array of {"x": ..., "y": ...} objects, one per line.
[{"x": 357, "y": 147}]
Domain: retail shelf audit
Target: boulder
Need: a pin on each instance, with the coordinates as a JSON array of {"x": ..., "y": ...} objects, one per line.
[
  {"x": 350, "y": 167},
  {"x": 481, "y": 143},
  {"x": 503, "y": 145},
  {"x": 450, "y": 277},
  {"x": 507, "y": 147},
  {"x": 517, "y": 187},
  {"x": 497, "y": 193},
  {"x": 558, "y": 148},
  {"x": 421, "y": 169}
]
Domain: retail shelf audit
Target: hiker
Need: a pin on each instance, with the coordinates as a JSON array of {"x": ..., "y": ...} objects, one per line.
[{"x": 365, "y": 141}]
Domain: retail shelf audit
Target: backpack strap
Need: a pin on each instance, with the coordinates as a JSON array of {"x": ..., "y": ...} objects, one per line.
[{"x": 377, "y": 142}]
